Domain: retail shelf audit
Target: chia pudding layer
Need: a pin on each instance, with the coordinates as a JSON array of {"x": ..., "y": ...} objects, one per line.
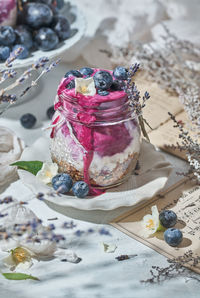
[{"x": 94, "y": 138}]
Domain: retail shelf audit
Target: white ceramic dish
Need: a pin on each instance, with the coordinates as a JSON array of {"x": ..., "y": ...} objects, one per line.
[
  {"x": 153, "y": 175},
  {"x": 68, "y": 44}
]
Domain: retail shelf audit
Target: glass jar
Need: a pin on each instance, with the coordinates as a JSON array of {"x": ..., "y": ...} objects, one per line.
[{"x": 95, "y": 139}]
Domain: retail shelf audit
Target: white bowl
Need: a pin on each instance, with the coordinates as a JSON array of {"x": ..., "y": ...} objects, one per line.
[{"x": 68, "y": 44}]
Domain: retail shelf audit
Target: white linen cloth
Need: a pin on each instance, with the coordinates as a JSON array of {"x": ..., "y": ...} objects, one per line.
[{"x": 11, "y": 148}]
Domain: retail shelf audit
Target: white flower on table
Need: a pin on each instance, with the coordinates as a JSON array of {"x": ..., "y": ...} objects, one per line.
[
  {"x": 47, "y": 172},
  {"x": 85, "y": 86},
  {"x": 22, "y": 254},
  {"x": 150, "y": 222}
]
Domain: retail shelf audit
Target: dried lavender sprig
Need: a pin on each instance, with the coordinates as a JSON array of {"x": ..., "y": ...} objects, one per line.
[
  {"x": 175, "y": 269},
  {"x": 134, "y": 97},
  {"x": 13, "y": 55},
  {"x": 26, "y": 74},
  {"x": 6, "y": 74},
  {"x": 45, "y": 70},
  {"x": 192, "y": 148},
  {"x": 8, "y": 98}
]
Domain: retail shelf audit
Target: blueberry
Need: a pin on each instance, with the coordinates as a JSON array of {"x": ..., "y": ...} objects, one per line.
[
  {"x": 117, "y": 85},
  {"x": 80, "y": 189},
  {"x": 70, "y": 85},
  {"x": 103, "y": 80},
  {"x": 73, "y": 73},
  {"x": 102, "y": 92},
  {"x": 173, "y": 237},
  {"x": 24, "y": 54},
  {"x": 46, "y": 39},
  {"x": 168, "y": 218},
  {"x": 24, "y": 36},
  {"x": 62, "y": 27},
  {"x": 120, "y": 73},
  {"x": 4, "y": 53},
  {"x": 86, "y": 71},
  {"x": 7, "y": 36},
  {"x": 37, "y": 15},
  {"x": 62, "y": 183},
  {"x": 60, "y": 4},
  {"x": 50, "y": 112},
  {"x": 28, "y": 120}
]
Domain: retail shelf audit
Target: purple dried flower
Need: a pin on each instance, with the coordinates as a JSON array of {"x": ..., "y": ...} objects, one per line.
[
  {"x": 13, "y": 55},
  {"x": 69, "y": 225},
  {"x": 79, "y": 233},
  {"x": 103, "y": 231}
]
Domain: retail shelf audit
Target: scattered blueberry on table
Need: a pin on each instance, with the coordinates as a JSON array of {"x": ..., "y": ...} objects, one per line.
[
  {"x": 80, "y": 189},
  {"x": 120, "y": 73},
  {"x": 28, "y": 120},
  {"x": 173, "y": 236},
  {"x": 103, "y": 80},
  {"x": 168, "y": 218},
  {"x": 62, "y": 183},
  {"x": 50, "y": 112}
]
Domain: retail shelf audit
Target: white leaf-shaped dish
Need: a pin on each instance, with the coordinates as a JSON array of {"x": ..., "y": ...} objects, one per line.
[{"x": 153, "y": 175}]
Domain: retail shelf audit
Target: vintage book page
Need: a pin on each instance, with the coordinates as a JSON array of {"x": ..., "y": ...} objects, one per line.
[
  {"x": 163, "y": 135},
  {"x": 184, "y": 199}
]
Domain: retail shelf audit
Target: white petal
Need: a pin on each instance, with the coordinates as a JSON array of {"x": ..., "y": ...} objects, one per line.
[
  {"x": 19, "y": 214},
  {"x": 154, "y": 211},
  {"x": 109, "y": 248},
  {"x": 7, "y": 245},
  {"x": 44, "y": 249},
  {"x": 67, "y": 255},
  {"x": 50, "y": 168},
  {"x": 24, "y": 265},
  {"x": 43, "y": 177},
  {"x": 9, "y": 262},
  {"x": 88, "y": 84}
]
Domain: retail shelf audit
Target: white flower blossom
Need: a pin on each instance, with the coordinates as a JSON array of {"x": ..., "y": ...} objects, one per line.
[
  {"x": 85, "y": 86},
  {"x": 47, "y": 172},
  {"x": 22, "y": 253},
  {"x": 151, "y": 222}
]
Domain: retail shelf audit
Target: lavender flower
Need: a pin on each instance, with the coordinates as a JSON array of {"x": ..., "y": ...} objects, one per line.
[{"x": 11, "y": 73}]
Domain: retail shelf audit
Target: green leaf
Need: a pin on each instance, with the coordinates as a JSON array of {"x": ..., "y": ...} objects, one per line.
[
  {"x": 19, "y": 276},
  {"x": 30, "y": 166}
]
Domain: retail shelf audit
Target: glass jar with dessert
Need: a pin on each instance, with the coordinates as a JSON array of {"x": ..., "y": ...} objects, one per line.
[{"x": 96, "y": 135}]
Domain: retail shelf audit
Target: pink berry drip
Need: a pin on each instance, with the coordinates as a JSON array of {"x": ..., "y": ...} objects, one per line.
[{"x": 8, "y": 12}]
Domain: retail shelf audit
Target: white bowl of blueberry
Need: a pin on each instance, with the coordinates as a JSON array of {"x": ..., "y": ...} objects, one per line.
[{"x": 43, "y": 28}]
